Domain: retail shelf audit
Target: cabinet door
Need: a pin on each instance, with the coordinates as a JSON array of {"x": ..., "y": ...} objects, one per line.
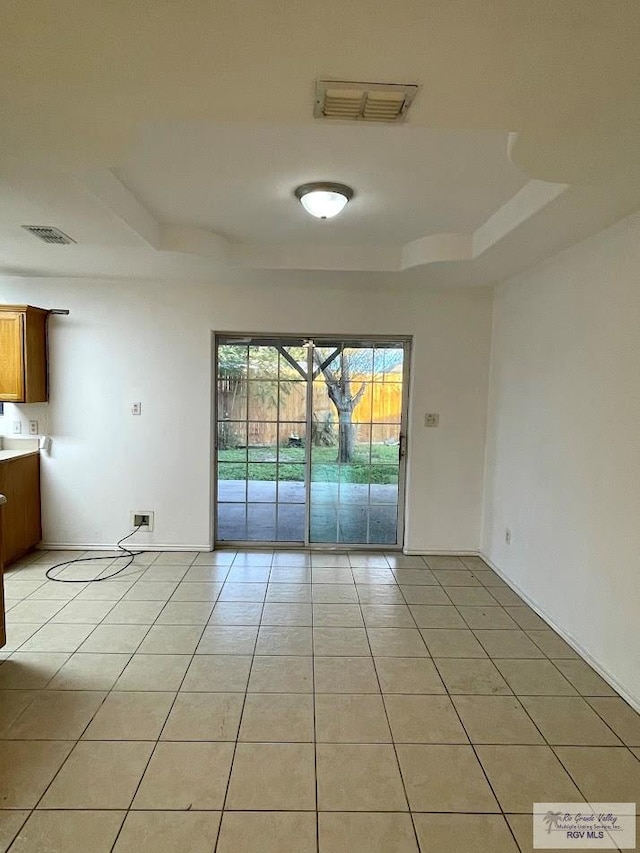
[
  {"x": 11, "y": 356},
  {"x": 21, "y": 526}
]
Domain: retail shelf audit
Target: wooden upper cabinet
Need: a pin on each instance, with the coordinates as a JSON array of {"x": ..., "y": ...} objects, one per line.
[{"x": 23, "y": 354}]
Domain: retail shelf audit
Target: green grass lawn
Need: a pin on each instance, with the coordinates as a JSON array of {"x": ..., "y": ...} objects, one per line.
[{"x": 382, "y": 468}]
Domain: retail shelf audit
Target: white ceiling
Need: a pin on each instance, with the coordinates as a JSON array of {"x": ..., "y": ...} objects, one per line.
[{"x": 167, "y": 139}]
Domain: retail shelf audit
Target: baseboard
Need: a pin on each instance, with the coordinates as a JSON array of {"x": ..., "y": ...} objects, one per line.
[
  {"x": 433, "y": 552},
  {"x": 109, "y": 546},
  {"x": 575, "y": 644}
]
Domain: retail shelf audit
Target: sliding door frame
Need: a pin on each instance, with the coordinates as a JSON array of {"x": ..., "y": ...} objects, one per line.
[{"x": 404, "y": 341}]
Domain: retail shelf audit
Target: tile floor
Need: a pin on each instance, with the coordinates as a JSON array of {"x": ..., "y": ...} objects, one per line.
[{"x": 291, "y": 703}]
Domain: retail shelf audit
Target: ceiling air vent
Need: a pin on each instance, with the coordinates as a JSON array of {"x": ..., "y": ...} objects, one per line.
[
  {"x": 387, "y": 102},
  {"x": 49, "y": 234}
]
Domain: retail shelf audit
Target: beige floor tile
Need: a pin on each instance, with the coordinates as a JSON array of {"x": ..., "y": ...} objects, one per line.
[
  {"x": 130, "y": 716},
  {"x": 328, "y": 574},
  {"x": 228, "y": 640},
  {"x": 10, "y": 824},
  {"x": 397, "y": 642},
  {"x": 526, "y": 618},
  {"x": 379, "y": 593},
  {"x": 568, "y": 720},
  {"x": 185, "y": 613},
  {"x": 505, "y": 596},
  {"x": 281, "y": 674},
  {"x": 99, "y": 775},
  {"x": 175, "y": 558},
  {"x": 444, "y": 779},
  {"x": 366, "y": 832},
  {"x": 492, "y": 581},
  {"x": 405, "y": 561},
  {"x": 204, "y": 716},
  {"x": 636, "y": 752},
  {"x": 415, "y": 577},
  {"x": 217, "y": 674},
  {"x": 624, "y": 721},
  {"x": 487, "y": 617},
  {"x": 153, "y": 672},
  {"x": 433, "y": 595},
  {"x": 534, "y": 678},
  {"x": 185, "y": 776},
  {"x": 455, "y": 577},
  {"x": 151, "y": 590},
  {"x": 171, "y": 639},
  {"x": 523, "y": 775},
  {"x": 12, "y": 704},
  {"x": 296, "y": 593},
  {"x": 272, "y": 777},
  {"x": 109, "y": 639},
  {"x": 358, "y": 559},
  {"x": 277, "y": 718},
  {"x": 134, "y": 613},
  {"x": 334, "y": 593},
  {"x": 408, "y": 675},
  {"x": 359, "y": 778},
  {"x": 470, "y": 596},
  {"x": 345, "y": 675},
  {"x": 387, "y": 616},
  {"x": 337, "y": 616},
  {"x": 437, "y": 616},
  {"x": 284, "y": 640},
  {"x": 243, "y": 591},
  {"x": 164, "y": 574},
  {"x": 267, "y": 832},
  {"x": 351, "y": 718},
  {"x": 423, "y": 719},
  {"x": 33, "y": 610},
  {"x": 83, "y": 612},
  {"x": 33, "y": 765},
  {"x": 452, "y": 643},
  {"x": 214, "y": 558},
  {"x": 291, "y": 559},
  {"x": 508, "y": 644},
  {"x": 603, "y": 774},
  {"x": 248, "y": 574},
  {"x": 168, "y": 832},
  {"x": 193, "y": 591},
  {"x": 586, "y": 681},
  {"x": 329, "y": 559},
  {"x": 463, "y": 833},
  {"x": 30, "y": 671},
  {"x": 68, "y": 832},
  {"x": 56, "y": 715},
  {"x": 205, "y": 574},
  {"x": 18, "y": 633},
  {"x": 522, "y": 827},
  {"x": 277, "y": 613},
  {"x": 236, "y": 613},
  {"x": 251, "y": 558},
  {"x": 552, "y": 644},
  {"x": 444, "y": 562},
  {"x": 373, "y": 575},
  {"x": 463, "y": 675},
  {"x": 290, "y": 574},
  {"x": 496, "y": 719},
  {"x": 57, "y": 638},
  {"x": 89, "y": 672},
  {"x": 351, "y": 642}
]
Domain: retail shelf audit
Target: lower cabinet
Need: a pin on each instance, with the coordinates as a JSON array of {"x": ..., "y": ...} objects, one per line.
[{"x": 20, "y": 516}]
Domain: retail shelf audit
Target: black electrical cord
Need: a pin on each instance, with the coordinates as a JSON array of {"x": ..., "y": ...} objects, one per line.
[{"x": 125, "y": 552}]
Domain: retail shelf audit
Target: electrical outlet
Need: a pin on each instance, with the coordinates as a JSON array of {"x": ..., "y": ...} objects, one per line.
[
  {"x": 136, "y": 408},
  {"x": 17, "y": 427},
  {"x": 33, "y": 427},
  {"x": 142, "y": 519},
  {"x": 431, "y": 419},
  {"x": 507, "y": 536}
]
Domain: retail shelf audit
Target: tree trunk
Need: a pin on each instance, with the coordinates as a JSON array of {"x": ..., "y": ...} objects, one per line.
[{"x": 346, "y": 436}]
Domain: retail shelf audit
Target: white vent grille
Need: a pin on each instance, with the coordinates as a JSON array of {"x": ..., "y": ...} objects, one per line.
[
  {"x": 345, "y": 101},
  {"x": 49, "y": 234}
]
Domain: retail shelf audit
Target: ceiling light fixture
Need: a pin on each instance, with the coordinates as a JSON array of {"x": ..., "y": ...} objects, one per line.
[{"x": 323, "y": 199}]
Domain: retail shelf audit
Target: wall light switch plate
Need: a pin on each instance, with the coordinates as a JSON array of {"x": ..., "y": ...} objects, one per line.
[
  {"x": 431, "y": 419},
  {"x": 17, "y": 427}
]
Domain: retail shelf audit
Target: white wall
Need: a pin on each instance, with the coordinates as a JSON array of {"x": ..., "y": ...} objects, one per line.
[
  {"x": 151, "y": 341},
  {"x": 563, "y": 452}
]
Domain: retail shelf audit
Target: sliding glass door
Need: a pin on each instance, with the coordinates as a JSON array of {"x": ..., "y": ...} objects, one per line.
[{"x": 310, "y": 441}]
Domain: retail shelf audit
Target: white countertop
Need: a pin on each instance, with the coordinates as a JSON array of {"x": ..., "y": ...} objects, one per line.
[
  {"x": 13, "y": 448},
  {"x": 5, "y": 455}
]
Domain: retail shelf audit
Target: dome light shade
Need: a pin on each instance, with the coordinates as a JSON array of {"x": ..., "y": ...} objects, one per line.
[{"x": 323, "y": 199}]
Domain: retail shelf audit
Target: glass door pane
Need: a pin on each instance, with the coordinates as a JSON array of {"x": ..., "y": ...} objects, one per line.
[
  {"x": 356, "y": 420},
  {"x": 261, "y": 440}
]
